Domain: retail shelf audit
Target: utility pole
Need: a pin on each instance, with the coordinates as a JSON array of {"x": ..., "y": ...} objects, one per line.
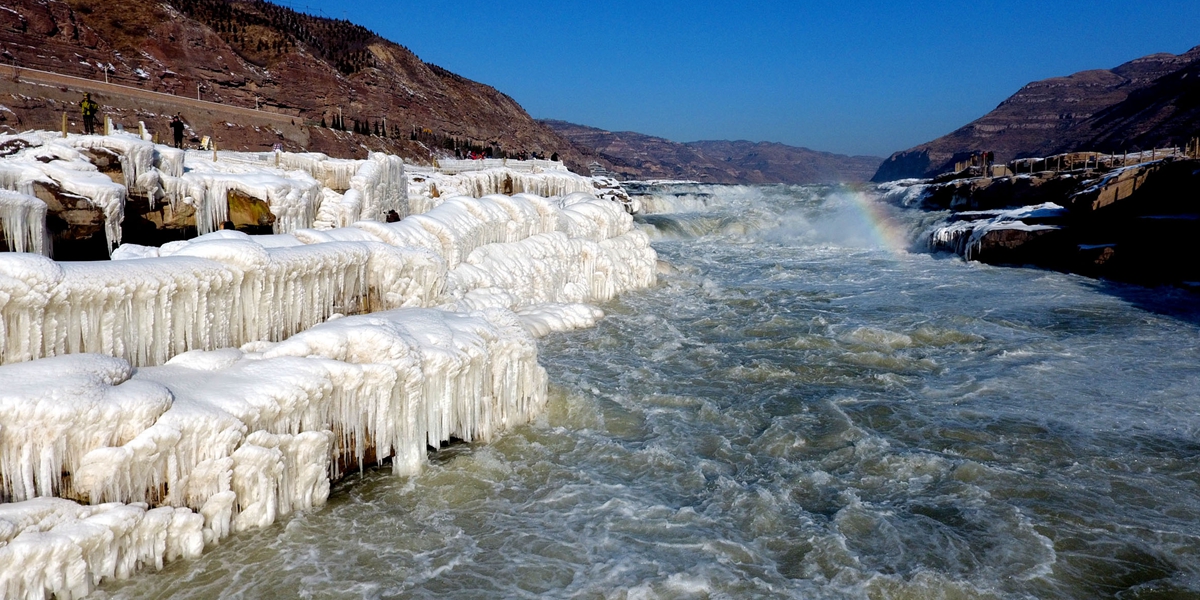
[{"x": 197, "y": 91}]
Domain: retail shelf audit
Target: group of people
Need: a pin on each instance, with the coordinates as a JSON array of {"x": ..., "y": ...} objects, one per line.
[
  {"x": 982, "y": 158},
  {"x": 89, "y": 108}
]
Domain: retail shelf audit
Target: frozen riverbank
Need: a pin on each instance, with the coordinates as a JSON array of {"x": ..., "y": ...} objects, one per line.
[
  {"x": 98, "y": 191},
  {"x": 265, "y": 392}
]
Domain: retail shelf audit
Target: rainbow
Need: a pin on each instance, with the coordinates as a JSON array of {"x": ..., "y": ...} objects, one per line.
[{"x": 884, "y": 229}]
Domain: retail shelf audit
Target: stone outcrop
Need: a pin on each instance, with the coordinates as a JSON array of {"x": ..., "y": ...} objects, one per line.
[
  {"x": 990, "y": 193},
  {"x": 1137, "y": 223},
  {"x": 249, "y": 214},
  {"x": 1146, "y": 103},
  {"x": 76, "y": 225},
  {"x": 1009, "y": 245}
]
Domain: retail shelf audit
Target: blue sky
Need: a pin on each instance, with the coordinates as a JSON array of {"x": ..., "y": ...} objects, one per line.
[{"x": 843, "y": 76}]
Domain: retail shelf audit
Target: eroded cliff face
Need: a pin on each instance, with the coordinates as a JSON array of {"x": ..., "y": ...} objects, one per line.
[
  {"x": 1138, "y": 105},
  {"x": 250, "y": 54}
]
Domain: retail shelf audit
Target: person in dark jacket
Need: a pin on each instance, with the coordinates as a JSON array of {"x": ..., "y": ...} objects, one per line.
[
  {"x": 89, "y": 107},
  {"x": 177, "y": 130}
]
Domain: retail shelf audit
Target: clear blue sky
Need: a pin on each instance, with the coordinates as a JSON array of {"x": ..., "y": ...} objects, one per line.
[{"x": 844, "y": 76}]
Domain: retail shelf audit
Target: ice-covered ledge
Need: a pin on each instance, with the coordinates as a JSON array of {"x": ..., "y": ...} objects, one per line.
[
  {"x": 122, "y": 184},
  {"x": 226, "y": 288},
  {"x": 163, "y": 461},
  {"x": 265, "y": 394}
]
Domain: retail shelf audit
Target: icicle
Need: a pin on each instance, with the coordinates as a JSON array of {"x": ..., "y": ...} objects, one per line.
[
  {"x": 23, "y": 223},
  {"x": 225, "y": 440}
]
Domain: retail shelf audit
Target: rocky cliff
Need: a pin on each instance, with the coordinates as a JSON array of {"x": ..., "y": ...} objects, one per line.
[
  {"x": 250, "y": 53},
  {"x": 1135, "y": 223},
  {"x": 637, "y": 156},
  {"x": 1149, "y": 102}
]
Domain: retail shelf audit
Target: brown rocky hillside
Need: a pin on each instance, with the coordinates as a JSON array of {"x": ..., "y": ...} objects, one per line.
[
  {"x": 638, "y": 156},
  {"x": 1148, "y": 102},
  {"x": 247, "y": 52}
]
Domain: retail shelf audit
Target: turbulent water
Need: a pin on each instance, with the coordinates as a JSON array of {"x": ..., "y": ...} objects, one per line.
[{"x": 801, "y": 408}]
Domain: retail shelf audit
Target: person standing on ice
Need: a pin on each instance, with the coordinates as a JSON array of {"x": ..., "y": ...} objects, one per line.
[
  {"x": 89, "y": 107},
  {"x": 177, "y": 130}
]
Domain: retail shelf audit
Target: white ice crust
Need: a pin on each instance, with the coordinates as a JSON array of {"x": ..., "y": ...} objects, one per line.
[
  {"x": 965, "y": 236},
  {"x": 211, "y": 386},
  {"x": 23, "y": 222},
  {"x": 302, "y": 190}
]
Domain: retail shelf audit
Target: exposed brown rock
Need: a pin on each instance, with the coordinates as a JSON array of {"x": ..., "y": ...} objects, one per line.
[
  {"x": 1135, "y": 224},
  {"x": 156, "y": 226},
  {"x": 68, "y": 215},
  {"x": 1006, "y": 245},
  {"x": 248, "y": 212},
  {"x": 300, "y": 68},
  {"x": 106, "y": 161},
  {"x": 1114, "y": 188},
  {"x": 989, "y": 193}
]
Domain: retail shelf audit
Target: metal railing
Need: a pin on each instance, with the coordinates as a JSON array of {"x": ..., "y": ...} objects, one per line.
[{"x": 1075, "y": 161}]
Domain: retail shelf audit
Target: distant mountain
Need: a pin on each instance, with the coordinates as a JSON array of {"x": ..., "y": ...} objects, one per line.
[
  {"x": 1152, "y": 101},
  {"x": 250, "y": 53},
  {"x": 637, "y": 156}
]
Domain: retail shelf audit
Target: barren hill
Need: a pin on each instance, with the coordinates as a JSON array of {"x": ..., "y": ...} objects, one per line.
[
  {"x": 638, "y": 156},
  {"x": 1147, "y": 102},
  {"x": 250, "y": 53}
]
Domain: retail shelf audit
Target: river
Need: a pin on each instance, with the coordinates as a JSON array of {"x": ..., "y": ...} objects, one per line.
[{"x": 807, "y": 405}]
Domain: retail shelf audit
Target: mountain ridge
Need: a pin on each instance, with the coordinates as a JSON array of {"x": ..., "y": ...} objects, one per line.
[
  {"x": 1096, "y": 110},
  {"x": 634, "y": 155},
  {"x": 252, "y": 53}
]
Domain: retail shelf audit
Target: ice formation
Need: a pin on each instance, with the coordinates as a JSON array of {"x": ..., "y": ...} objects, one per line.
[
  {"x": 585, "y": 235},
  {"x": 544, "y": 319},
  {"x": 23, "y": 222},
  {"x": 964, "y": 235},
  {"x": 302, "y": 190},
  {"x": 905, "y": 192},
  {"x": 138, "y": 158},
  {"x": 293, "y": 196},
  {"x": 231, "y": 439},
  {"x": 263, "y": 392},
  {"x": 481, "y": 178}
]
